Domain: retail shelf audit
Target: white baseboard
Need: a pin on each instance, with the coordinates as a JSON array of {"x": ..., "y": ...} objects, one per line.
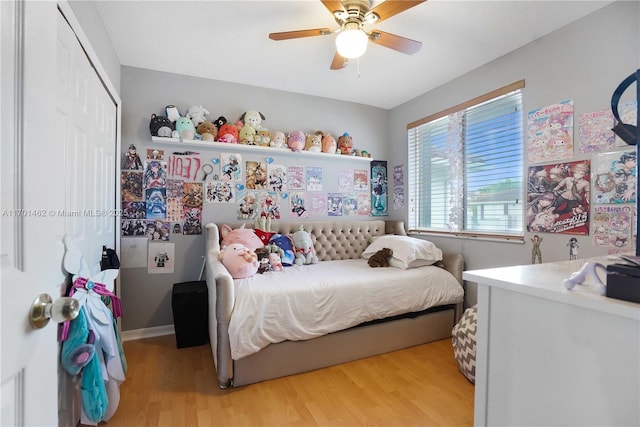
[{"x": 138, "y": 334}]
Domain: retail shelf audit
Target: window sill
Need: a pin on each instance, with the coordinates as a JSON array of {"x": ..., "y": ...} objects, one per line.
[{"x": 470, "y": 236}]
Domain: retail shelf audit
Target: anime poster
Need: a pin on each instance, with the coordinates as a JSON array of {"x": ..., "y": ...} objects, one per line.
[
  {"x": 131, "y": 183},
  {"x": 269, "y": 205},
  {"x": 314, "y": 178},
  {"x": 256, "y": 175},
  {"x": 158, "y": 229},
  {"x": 558, "y": 198},
  {"x": 191, "y": 221},
  {"x": 345, "y": 180},
  {"x": 334, "y": 204},
  {"x": 360, "y": 180},
  {"x": 277, "y": 178},
  {"x": 594, "y": 131},
  {"x": 133, "y": 228},
  {"x": 133, "y": 210},
  {"x": 628, "y": 114},
  {"x": 230, "y": 167},
  {"x": 318, "y": 203},
  {"x": 612, "y": 228},
  {"x": 551, "y": 133},
  {"x": 155, "y": 174},
  {"x": 379, "y": 197},
  {"x": 295, "y": 178},
  {"x": 193, "y": 195},
  {"x": 364, "y": 204},
  {"x": 174, "y": 209},
  {"x": 156, "y": 203},
  {"x": 398, "y": 187},
  {"x": 298, "y": 205},
  {"x": 220, "y": 192},
  {"x": 175, "y": 188},
  {"x": 615, "y": 177},
  {"x": 349, "y": 204},
  {"x": 248, "y": 205},
  {"x": 161, "y": 258},
  {"x": 155, "y": 154}
]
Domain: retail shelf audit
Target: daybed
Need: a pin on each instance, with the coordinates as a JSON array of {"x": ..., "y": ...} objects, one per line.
[{"x": 339, "y": 247}]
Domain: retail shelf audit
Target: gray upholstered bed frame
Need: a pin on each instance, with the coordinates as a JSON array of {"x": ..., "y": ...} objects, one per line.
[{"x": 332, "y": 241}]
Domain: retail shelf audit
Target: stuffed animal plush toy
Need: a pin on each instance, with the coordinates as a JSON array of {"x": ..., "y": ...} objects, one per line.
[
  {"x": 247, "y": 135},
  {"x": 263, "y": 138},
  {"x": 303, "y": 244},
  {"x": 197, "y": 114},
  {"x": 278, "y": 140},
  {"x": 228, "y": 133},
  {"x": 345, "y": 142},
  {"x": 380, "y": 258},
  {"x": 245, "y": 236},
  {"x": 172, "y": 113},
  {"x": 219, "y": 122},
  {"x": 161, "y": 126},
  {"x": 313, "y": 143},
  {"x": 286, "y": 245},
  {"x": 329, "y": 144},
  {"x": 296, "y": 140},
  {"x": 239, "y": 261},
  {"x": 208, "y": 131},
  {"x": 262, "y": 228},
  {"x": 185, "y": 128},
  {"x": 253, "y": 119}
]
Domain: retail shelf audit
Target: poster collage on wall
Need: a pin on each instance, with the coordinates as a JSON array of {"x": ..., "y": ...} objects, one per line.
[
  {"x": 165, "y": 194},
  {"x": 594, "y": 196}
]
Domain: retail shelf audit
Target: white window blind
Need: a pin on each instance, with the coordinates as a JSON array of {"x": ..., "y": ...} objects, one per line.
[{"x": 465, "y": 167}]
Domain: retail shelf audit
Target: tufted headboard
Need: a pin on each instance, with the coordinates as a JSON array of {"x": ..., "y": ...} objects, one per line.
[{"x": 335, "y": 240}]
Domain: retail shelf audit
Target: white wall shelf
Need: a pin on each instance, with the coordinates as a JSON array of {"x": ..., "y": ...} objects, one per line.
[{"x": 189, "y": 143}]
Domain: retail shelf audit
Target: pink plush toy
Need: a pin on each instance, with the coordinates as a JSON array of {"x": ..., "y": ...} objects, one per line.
[
  {"x": 296, "y": 140},
  {"x": 245, "y": 236},
  {"x": 329, "y": 144},
  {"x": 239, "y": 261}
]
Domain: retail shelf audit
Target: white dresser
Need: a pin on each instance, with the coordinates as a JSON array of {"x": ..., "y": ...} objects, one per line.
[{"x": 548, "y": 356}]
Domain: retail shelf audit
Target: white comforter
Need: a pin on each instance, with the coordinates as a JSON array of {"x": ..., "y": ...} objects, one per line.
[{"x": 308, "y": 301}]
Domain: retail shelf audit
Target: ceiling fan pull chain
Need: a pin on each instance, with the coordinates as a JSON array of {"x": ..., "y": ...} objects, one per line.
[{"x": 358, "y": 67}]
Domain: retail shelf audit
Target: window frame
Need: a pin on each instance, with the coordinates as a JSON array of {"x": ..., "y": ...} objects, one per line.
[{"x": 518, "y": 85}]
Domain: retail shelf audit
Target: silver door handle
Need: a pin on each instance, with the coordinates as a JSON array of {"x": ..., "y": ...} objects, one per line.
[{"x": 43, "y": 309}]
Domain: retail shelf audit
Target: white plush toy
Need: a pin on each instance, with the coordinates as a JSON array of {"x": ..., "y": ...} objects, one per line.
[
  {"x": 197, "y": 114},
  {"x": 303, "y": 246},
  {"x": 253, "y": 119}
]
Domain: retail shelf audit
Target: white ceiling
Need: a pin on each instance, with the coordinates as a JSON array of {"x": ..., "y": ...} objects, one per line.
[{"x": 228, "y": 40}]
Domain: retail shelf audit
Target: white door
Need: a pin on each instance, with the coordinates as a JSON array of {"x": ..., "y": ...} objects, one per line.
[{"x": 37, "y": 205}]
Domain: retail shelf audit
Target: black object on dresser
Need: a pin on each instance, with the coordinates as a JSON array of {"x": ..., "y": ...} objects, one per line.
[{"x": 190, "y": 304}]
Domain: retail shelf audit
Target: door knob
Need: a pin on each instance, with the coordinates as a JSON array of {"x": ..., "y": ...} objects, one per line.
[{"x": 43, "y": 309}]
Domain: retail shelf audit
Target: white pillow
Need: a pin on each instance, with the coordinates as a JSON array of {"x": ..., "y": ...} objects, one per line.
[{"x": 408, "y": 252}]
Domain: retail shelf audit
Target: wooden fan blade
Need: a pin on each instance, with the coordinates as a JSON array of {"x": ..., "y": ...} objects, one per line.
[
  {"x": 395, "y": 42},
  {"x": 338, "y": 62},
  {"x": 286, "y": 35},
  {"x": 389, "y": 8},
  {"x": 333, "y": 5}
]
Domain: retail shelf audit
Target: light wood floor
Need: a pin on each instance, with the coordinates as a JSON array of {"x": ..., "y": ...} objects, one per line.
[{"x": 419, "y": 386}]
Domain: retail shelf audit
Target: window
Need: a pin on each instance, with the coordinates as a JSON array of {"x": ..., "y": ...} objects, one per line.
[{"x": 465, "y": 167}]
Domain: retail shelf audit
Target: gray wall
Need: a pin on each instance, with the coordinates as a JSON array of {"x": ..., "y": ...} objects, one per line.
[
  {"x": 147, "y": 297},
  {"x": 584, "y": 61}
]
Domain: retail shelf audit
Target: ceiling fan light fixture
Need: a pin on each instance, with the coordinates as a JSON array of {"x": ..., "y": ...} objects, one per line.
[{"x": 352, "y": 42}]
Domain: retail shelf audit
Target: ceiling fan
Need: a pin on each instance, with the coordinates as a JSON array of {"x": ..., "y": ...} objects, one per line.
[{"x": 352, "y": 40}]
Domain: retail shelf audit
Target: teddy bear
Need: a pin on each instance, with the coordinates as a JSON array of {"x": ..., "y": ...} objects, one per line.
[
  {"x": 313, "y": 143},
  {"x": 329, "y": 144},
  {"x": 239, "y": 260},
  {"x": 303, "y": 246},
  {"x": 345, "y": 142},
  {"x": 207, "y": 131},
  {"x": 296, "y": 140},
  {"x": 380, "y": 258},
  {"x": 278, "y": 140}
]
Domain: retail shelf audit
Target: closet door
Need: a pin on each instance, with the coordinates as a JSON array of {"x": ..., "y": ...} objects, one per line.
[{"x": 58, "y": 177}]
